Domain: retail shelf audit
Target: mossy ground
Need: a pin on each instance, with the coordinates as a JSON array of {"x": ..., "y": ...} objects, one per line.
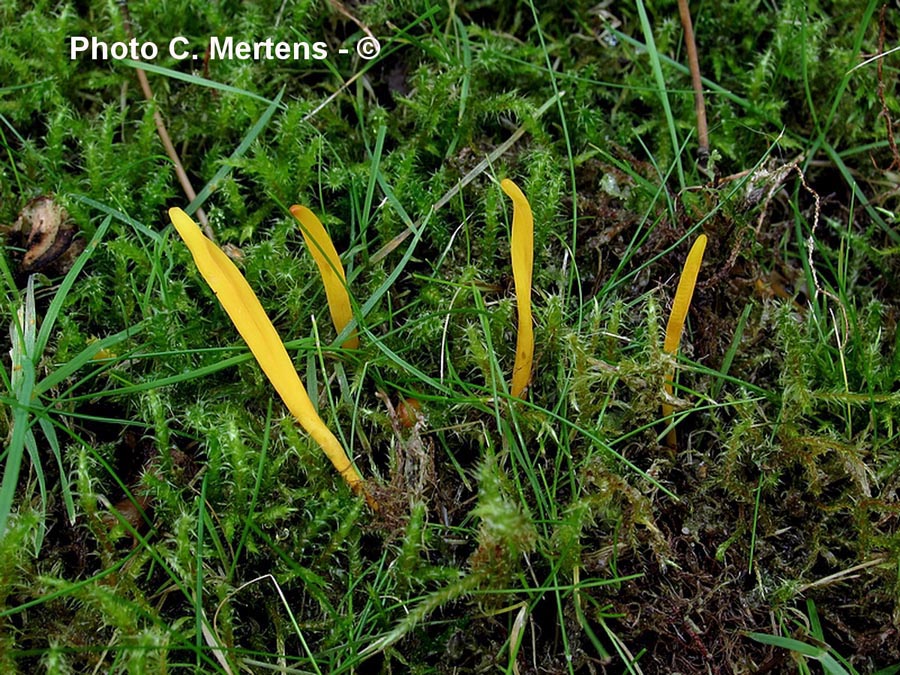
[{"x": 169, "y": 516}]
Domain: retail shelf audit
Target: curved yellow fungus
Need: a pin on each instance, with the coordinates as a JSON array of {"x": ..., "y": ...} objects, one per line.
[
  {"x": 522, "y": 253},
  {"x": 242, "y": 305},
  {"x": 680, "y": 306},
  {"x": 326, "y": 256}
]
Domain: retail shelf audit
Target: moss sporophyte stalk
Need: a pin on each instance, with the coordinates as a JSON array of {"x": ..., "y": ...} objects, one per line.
[{"x": 248, "y": 316}]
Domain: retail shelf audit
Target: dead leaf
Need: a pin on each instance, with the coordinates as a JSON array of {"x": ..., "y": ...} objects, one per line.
[{"x": 49, "y": 235}]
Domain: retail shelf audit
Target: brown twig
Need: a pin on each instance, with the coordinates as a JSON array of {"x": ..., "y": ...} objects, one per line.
[
  {"x": 697, "y": 83},
  {"x": 340, "y": 8},
  {"x": 480, "y": 168},
  {"x": 895, "y": 155},
  {"x": 163, "y": 133}
]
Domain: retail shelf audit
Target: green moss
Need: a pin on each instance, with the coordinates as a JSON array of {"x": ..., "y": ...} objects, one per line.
[{"x": 788, "y": 408}]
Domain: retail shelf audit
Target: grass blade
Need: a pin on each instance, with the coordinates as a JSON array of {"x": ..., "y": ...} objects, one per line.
[
  {"x": 193, "y": 79},
  {"x": 239, "y": 152},
  {"x": 53, "y": 442},
  {"x": 661, "y": 88},
  {"x": 22, "y": 380},
  {"x": 57, "y": 303}
]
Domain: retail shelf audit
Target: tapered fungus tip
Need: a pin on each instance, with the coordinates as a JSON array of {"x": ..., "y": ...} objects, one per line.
[
  {"x": 330, "y": 268},
  {"x": 522, "y": 254},
  {"x": 511, "y": 189},
  {"x": 680, "y": 305},
  {"x": 249, "y": 317},
  {"x": 180, "y": 219}
]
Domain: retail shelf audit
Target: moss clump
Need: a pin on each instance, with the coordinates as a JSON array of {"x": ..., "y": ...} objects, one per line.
[{"x": 203, "y": 531}]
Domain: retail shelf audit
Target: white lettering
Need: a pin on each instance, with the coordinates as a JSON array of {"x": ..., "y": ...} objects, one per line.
[
  {"x": 78, "y": 44},
  {"x": 242, "y": 50},
  {"x": 258, "y": 48},
  {"x": 100, "y": 48},
  {"x": 149, "y": 51},
  {"x": 101, "y": 51},
  {"x": 221, "y": 51},
  {"x": 227, "y": 48},
  {"x": 180, "y": 56}
]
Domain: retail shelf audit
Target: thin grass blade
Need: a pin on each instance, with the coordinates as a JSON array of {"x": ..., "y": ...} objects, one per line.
[
  {"x": 248, "y": 316},
  {"x": 22, "y": 381}
]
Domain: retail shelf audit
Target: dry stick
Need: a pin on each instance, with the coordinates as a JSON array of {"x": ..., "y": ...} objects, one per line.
[
  {"x": 879, "y": 69},
  {"x": 173, "y": 155},
  {"x": 164, "y": 134},
  {"x": 696, "y": 82},
  {"x": 315, "y": 111},
  {"x": 339, "y": 7},
  {"x": 849, "y": 573},
  {"x": 468, "y": 178}
]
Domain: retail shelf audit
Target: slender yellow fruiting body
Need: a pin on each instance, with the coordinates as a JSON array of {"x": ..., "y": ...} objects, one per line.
[
  {"x": 680, "y": 306},
  {"x": 522, "y": 253},
  {"x": 245, "y": 310},
  {"x": 326, "y": 256}
]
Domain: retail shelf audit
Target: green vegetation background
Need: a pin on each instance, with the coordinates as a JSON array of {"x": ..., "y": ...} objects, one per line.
[{"x": 165, "y": 514}]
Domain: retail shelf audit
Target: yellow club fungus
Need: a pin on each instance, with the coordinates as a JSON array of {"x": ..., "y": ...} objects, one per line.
[
  {"x": 242, "y": 305},
  {"x": 326, "y": 256},
  {"x": 680, "y": 306},
  {"x": 522, "y": 253}
]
